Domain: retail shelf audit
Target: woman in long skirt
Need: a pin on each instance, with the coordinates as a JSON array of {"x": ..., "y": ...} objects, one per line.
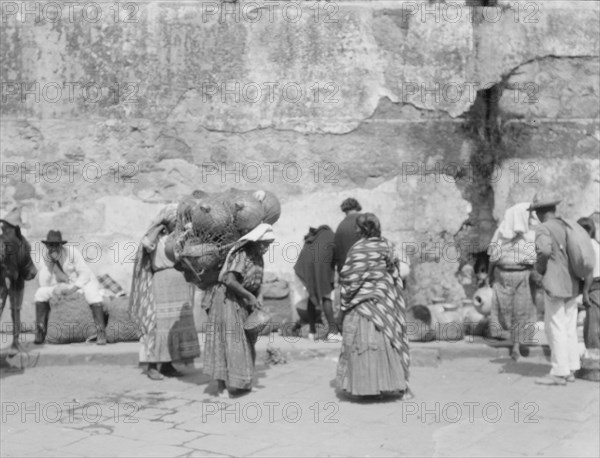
[
  {"x": 162, "y": 307},
  {"x": 229, "y": 354},
  {"x": 375, "y": 356}
]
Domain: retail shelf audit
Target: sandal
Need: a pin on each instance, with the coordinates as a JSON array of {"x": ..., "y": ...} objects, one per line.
[{"x": 551, "y": 380}]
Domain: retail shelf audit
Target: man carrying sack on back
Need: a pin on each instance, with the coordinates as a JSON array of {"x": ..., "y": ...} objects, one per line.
[{"x": 561, "y": 284}]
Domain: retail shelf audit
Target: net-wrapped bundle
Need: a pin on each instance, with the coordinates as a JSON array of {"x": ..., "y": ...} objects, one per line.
[
  {"x": 221, "y": 218},
  {"x": 248, "y": 212},
  {"x": 202, "y": 263},
  {"x": 213, "y": 220},
  {"x": 207, "y": 226}
]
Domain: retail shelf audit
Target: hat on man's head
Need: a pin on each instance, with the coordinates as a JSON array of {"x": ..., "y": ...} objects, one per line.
[
  {"x": 541, "y": 200},
  {"x": 12, "y": 218},
  {"x": 54, "y": 238}
]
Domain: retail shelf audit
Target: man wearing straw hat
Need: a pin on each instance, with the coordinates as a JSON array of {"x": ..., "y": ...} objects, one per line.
[
  {"x": 560, "y": 290},
  {"x": 64, "y": 271}
]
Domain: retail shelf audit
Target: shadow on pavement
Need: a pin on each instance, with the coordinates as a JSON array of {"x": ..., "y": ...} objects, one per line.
[
  {"x": 8, "y": 371},
  {"x": 521, "y": 367}
]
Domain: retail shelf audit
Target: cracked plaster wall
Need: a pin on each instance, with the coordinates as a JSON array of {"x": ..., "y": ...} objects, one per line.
[{"x": 375, "y": 132}]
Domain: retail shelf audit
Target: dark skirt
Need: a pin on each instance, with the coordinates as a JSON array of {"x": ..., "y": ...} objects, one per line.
[
  {"x": 229, "y": 355},
  {"x": 368, "y": 364},
  {"x": 591, "y": 324}
]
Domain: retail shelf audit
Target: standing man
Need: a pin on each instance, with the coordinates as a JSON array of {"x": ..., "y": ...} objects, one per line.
[
  {"x": 346, "y": 233},
  {"x": 345, "y": 236},
  {"x": 560, "y": 290},
  {"x": 64, "y": 271}
]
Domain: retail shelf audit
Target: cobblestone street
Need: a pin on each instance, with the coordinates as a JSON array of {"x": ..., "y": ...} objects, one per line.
[{"x": 464, "y": 406}]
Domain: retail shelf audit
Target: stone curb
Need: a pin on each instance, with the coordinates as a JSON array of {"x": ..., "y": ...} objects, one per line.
[{"x": 127, "y": 353}]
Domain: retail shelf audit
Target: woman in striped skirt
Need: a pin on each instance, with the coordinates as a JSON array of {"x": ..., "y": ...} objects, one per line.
[
  {"x": 375, "y": 356},
  {"x": 229, "y": 354}
]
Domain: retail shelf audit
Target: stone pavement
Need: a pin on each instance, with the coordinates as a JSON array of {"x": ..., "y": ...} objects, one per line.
[{"x": 465, "y": 405}]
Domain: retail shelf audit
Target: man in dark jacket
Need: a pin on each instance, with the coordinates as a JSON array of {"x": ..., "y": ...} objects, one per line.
[
  {"x": 560, "y": 289},
  {"x": 315, "y": 269},
  {"x": 346, "y": 234}
]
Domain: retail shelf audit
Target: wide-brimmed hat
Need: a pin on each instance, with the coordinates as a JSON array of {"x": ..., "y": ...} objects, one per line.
[
  {"x": 541, "y": 200},
  {"x": 12, "y": 217},
  {"x": 54, "y": 238}
]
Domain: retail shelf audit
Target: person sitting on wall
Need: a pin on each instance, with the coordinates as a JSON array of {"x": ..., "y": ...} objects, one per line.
[{"x": 63, "y": 271}]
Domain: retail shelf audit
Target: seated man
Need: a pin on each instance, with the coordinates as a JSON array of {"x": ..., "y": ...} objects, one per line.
[{"x": 64, "y": 271}]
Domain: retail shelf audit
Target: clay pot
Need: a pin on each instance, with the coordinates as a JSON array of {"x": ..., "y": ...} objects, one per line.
[
  {"x": 482, "y": 300},
  {"x": 271, "y": 206}
]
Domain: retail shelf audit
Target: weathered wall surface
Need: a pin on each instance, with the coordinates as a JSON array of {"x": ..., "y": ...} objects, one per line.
[{"x": 382, "y": 105}]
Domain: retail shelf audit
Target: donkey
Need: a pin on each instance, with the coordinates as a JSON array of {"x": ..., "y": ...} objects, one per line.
[{"x": 16, "y": 267}]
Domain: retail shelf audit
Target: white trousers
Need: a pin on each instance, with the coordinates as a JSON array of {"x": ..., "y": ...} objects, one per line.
[
  {"x": 91, "y": 291},
  {"x": 560, "y": 322}
]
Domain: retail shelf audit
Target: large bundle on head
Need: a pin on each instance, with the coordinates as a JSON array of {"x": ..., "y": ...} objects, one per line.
[
  {"x": 213, "y": 220},
  {"x": 209, "y": 224},
  {"x": 248, "y": 212}
]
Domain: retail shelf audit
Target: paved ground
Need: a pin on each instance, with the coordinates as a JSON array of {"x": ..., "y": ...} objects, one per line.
[{"x": 464, "y": 406}]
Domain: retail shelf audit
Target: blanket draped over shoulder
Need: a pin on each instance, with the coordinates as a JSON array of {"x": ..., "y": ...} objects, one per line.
[
  {"x": 370, "y": 282},
  {"x": 315, "y": 263}
]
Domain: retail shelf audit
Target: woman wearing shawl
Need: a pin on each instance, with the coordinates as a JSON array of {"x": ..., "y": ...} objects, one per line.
[
  {"x": 315, "y": 269},
  {"x": 375, "y": 355},
  {"x": 512, "y": 256},
  {"x": 161, "y": 302},
  {"x": 229, "y": 354}
]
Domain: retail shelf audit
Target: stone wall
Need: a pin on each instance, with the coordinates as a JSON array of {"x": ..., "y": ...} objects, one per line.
[{"x": 394, "y": 95}]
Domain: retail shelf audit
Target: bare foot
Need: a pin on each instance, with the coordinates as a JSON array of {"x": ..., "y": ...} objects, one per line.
[
  {"x": 17, "y": 347},
  {"x": 408, "y": 395}
]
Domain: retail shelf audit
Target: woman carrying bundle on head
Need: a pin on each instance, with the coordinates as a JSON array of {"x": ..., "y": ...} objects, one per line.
[
  {"x": 229, "y": 353},
  {"x": 375, "y": 355},
  {"x": 161, "y": 302}
]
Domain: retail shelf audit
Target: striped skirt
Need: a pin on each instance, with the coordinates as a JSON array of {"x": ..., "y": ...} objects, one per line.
[
  {"x": 368, "y": 363},
  {"x": 229, "y": 355},
  {"x": 512, "y": 306},
  {"x": 175, "y": 336}
]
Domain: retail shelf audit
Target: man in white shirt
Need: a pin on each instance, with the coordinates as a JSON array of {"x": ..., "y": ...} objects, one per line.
[{"x": 64, "y": 271}]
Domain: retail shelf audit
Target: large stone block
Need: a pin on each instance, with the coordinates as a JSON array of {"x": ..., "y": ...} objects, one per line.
[
  {"x": 557, "y": 88},
  {"x": 515, "y": 33},
  {"x": 574, "y": 180}
]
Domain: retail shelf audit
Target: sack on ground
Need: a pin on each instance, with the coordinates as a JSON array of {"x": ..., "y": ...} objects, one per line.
[
  {"x": 278, "y": 289},
  {"x": 120, "y": 327},
  {"x": 70, "y": 320}
]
